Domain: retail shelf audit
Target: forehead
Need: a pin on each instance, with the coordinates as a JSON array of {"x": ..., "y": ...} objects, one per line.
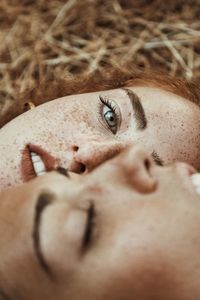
[
  {"x": 153, "y": 91},
  {"x": 161, "y": 97},
  {"x": 157, "y": 95},
  {"x": 176, "y": 85}
]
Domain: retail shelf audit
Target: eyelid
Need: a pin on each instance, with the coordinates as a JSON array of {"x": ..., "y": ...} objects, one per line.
[
  {"x": 89, "y": 226},
  {"x": 44, "y": 200}
]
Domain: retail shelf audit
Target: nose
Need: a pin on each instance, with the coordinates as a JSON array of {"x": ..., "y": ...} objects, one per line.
[
  {"x": 87, "y": 157},
  {"x": 137, "y": 167}
]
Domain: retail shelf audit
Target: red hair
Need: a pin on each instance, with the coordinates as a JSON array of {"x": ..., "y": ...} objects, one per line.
[{"x": 50, "y": 88}]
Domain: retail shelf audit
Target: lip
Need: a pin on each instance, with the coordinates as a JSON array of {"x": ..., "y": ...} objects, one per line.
[{"x": 27, "y": 170}]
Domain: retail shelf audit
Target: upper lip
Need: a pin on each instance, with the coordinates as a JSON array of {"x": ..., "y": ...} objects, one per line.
[{"x": 27, "y": 170}]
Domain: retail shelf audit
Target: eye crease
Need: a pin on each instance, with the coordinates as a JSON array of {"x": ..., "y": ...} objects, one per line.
[
  {"x": 89, "y": 228},
  {"x": 42, "y": 202}
]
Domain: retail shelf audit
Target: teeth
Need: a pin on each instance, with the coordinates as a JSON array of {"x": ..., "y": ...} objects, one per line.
[
  {"x": 38, "y": 164},
  {"x": 196, "y": 182}
]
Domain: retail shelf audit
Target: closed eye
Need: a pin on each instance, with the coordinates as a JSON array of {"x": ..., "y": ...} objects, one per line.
[
  {"x": 42, "y": 202},
  {"x": 89, "y": 228}
]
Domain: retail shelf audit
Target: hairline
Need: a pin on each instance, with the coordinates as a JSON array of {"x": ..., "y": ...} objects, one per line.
[{"x": 49, "y": 89}]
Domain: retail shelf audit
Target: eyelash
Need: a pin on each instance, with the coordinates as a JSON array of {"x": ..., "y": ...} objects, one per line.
[
  {"x": 87, "y": 239},
  {"x": 112, "y": 106},
  {"x": 157, "y": 159}
]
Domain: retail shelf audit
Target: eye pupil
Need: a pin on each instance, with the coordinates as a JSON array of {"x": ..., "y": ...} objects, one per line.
[
  {"x": 109, "y": 114},
  {"x": 110, "y": 118}
]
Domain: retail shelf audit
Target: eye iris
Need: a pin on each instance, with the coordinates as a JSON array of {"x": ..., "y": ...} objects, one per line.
[
  {"x": 110, "y": 118},
  {"x": 109, "y": 115}
]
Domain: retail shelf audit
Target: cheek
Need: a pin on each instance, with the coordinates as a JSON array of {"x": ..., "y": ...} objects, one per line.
[
  {"x": 70, "y": 120},
  {"x": 173, "y": 138},
  {"x": 140, "y": 273}
]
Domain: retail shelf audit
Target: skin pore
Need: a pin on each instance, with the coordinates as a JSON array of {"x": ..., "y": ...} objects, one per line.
[
  {"x": 79, "y": 132},
  {"x": 116, "y": 233}
]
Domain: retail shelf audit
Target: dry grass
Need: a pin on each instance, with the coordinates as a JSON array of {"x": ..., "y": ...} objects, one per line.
[{"x": 38, "y": 37}]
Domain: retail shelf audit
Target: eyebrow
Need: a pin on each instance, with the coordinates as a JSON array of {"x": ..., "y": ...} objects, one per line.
[
  {"x": 137, "y": 109},
  {"x": 42, "y": 202}
]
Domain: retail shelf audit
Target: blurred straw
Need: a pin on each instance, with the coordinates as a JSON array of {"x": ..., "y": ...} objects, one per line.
[{"x": 64, "y": 37}]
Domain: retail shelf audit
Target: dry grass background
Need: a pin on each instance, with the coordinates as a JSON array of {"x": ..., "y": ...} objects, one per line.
[{"x": 38, "y": 37}]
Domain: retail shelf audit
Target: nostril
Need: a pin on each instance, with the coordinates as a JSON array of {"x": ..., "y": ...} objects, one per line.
[
  {"x": 77, "y": 167},
  {"x": 147, "y": 164},
  {"x": 82, "y": 168}
]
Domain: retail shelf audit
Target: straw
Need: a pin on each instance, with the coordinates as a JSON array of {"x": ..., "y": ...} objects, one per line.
[{"x": 79, "y": 36}]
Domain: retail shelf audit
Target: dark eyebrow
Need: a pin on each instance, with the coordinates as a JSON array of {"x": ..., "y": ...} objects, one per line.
[
  {"x": 42, "y": 202},
  {"x": 157, "y": 158},
  {"x": 137, "y": 108}
]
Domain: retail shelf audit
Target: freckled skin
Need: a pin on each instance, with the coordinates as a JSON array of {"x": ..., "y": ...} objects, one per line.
[{"x": 72, "y": 130}]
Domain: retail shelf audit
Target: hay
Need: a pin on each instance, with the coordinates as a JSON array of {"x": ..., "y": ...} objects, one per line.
[{"x": 38, "y": 37}]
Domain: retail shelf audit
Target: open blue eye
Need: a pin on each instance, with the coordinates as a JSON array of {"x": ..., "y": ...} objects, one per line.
[
  {"x": 110, "y": 118},
  {"x": 109, "y": 115}
]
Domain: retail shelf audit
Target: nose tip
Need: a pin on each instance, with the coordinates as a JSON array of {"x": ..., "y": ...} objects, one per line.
[
  {"x": 88, "y": 156},
  {"x": 138, "y": 167}
]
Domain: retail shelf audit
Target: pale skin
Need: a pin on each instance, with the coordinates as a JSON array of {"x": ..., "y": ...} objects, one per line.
[
  {"x": 142, "y": 241},
  {"x": 79, "y": 132}
]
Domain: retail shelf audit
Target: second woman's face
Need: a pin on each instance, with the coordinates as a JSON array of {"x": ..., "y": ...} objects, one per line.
[
  {"x": 118, "y": 233},
  {"x": 79, "y": 132}
]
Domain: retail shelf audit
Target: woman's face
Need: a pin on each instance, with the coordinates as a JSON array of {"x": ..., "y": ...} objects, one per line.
[
  {"x": 80, "y": 132},
  {"x": 128, "y": 230}
]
